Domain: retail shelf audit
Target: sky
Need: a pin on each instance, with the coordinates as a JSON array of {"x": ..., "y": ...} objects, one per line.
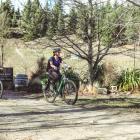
[{"x": 20, "y": 3}]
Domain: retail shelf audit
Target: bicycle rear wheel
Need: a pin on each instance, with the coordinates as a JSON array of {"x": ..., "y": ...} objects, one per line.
[
  {"x": 1, "y": 89},
  {"x": 49, "y": 93},
  {"x": 70, "y": 92}
]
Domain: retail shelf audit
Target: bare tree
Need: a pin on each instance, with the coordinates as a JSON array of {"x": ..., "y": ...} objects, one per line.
[
  {"x": 90, "y": 47},
  {"x": 135, "y": 2}
]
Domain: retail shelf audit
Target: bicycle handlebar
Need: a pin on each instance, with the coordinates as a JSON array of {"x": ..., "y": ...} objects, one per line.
[{"x": 66, "y": 67}]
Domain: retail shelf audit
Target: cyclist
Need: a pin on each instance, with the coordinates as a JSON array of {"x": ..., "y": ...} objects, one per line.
[{"x": 53, "y": 67}]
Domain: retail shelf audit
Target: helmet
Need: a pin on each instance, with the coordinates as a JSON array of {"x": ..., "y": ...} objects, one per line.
[{"x": 56, "y": 50}]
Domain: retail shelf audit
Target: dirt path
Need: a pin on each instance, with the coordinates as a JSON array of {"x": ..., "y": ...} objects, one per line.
[{"x": 30, "y": 118}]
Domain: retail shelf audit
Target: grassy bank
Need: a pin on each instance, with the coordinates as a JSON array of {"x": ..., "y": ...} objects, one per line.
[{"x": 23, "y": 57}]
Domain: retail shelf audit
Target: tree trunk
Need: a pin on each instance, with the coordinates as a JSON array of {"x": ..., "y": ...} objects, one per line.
[
  {"x": 90, "y": 68},
  {"x": 2, "y": 56},
  {"x": 93, "y": 69},
  {"x": 89, "y": 42}
]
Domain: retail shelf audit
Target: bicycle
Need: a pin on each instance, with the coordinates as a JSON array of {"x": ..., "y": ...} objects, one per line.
[{"x": 65, "y": 88}]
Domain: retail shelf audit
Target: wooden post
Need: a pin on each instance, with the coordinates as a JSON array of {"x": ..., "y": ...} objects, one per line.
[
  {"x": 134, "y": 55},
  {"x": 2, "y": 56}
]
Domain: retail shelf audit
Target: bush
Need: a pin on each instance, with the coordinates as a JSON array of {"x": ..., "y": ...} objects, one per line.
[
  {"x": 129, "y": 80},
  {"x": 13, "y": 34},
  {"x": 73, "y": 76},
  {"x": 41, "y": 68},
  {"x": 35, "y": 83},
  {"x": 35, "y": 86},
  {"x": 106, "y": 75}
]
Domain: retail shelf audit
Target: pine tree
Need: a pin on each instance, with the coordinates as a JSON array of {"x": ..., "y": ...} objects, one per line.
[
  {"x": 45, "y": 19},
  {"x": 82, "y": 22},
  {"x": 61, "y": 24},
  {"x": 119, "y": 28},
  {"x": 52, "y": 26},
  {"x": 36, "y": 18},
  {"x": 132, "y": 26},
  {"x": 14, "y": 20},
  {"x": 26, "y": 20},
  {"x": 7, "y": 11},
  {"x": 32, "y": 20},
  {"x": 112, "y": 26},
  {"x": 18, "y": 14},
  {"x": 106, "y": 22},
  {"x": 72, "y": 21},
  {"x": 56, "y": 24},
  {"x": 26, "y": 15}
]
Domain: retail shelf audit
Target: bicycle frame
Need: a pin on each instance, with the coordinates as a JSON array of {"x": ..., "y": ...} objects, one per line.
[
  {"x": 61, "y": 84},
  {"x": 51, "y": 90},
  {"x": 59, "y": 88}
]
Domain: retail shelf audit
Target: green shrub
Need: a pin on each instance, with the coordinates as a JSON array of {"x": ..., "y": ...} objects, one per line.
[
  {"x": 73, "y": 76},
  {"x": 129, "y": 80}
]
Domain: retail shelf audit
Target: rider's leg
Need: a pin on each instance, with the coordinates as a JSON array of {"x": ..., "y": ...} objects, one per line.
[
  {"x": 59, "y": 81},
  {"x": 47, "y": 84},
  {"x": 53, "y": 76}
]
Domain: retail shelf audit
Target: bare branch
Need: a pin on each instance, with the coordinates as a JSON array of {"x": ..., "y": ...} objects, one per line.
[
  {"x": 65, "y": 48},
  {"x": 135, "y": 2}
]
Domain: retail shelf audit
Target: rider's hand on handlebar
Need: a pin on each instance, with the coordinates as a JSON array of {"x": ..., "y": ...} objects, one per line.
[
  {"x": 55, "y": 68},
  {"x": 66, "y": 67}
]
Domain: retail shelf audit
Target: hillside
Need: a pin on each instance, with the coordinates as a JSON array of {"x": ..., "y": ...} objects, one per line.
[{"x": 23, "y": 57}]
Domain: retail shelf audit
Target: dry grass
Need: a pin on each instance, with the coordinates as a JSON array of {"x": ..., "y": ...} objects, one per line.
[
  {"x": 28, "y": 138},
  {"x": 88, "y": 90},
  {"x": 125, "y": 59},
  {"x": 2, "y": 138},
  {"x": 18, "y": 136},
  {"x": 30, "y": 56}
]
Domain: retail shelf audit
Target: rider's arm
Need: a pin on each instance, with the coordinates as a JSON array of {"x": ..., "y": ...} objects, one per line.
[
  {"x": 53, "y": 66},
  {"x": 64, "y": 65}
]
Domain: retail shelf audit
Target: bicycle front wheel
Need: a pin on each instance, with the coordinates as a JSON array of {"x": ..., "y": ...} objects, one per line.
[
  {"x": 1, "y": 89},
  {"x": 70, "y": 92},
  {"x": 49, "y": 93}
]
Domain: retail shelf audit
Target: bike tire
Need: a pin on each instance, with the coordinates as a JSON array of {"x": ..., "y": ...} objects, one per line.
[
  {"x": 1, "y": 89},
  {"x": 49, "y": 93},
  {"x": 69, "y": 88}
]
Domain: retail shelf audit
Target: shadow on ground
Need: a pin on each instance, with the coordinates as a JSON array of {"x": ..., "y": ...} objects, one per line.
[
  {"x": 21, "y": 95},
  {"x": 48, "y": 116},
  {"x": 101, "y": 103}
]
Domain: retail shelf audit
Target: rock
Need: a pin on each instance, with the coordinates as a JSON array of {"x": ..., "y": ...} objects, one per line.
[
  {"x": 103, "y": 91},
  {"x": 113, "y": 89}
]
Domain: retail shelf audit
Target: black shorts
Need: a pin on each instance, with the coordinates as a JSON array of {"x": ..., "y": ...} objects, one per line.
[{"x": 54, "y": 75}]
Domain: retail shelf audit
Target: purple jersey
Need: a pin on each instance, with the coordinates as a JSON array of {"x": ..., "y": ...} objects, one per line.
[{"x": 55, "y": 62}]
